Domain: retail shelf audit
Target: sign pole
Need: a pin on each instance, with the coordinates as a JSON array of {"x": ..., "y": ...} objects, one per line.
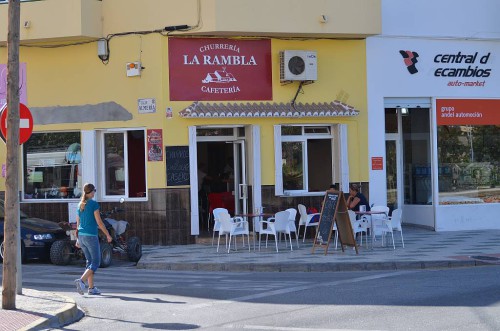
[
  {"x": 25, "y": 130},
  {"x": 11, "y": 223}
]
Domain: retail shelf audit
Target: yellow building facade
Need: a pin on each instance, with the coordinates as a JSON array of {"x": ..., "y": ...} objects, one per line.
[{"x": 111, "y": 107}]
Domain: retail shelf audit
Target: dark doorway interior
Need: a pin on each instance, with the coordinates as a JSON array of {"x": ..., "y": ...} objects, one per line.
[
  {"x": 215, "y": 166},
  {"x": 136, "y": 164}
]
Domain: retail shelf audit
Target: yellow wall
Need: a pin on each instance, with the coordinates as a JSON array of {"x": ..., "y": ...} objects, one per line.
[
  {"x": 75, "y": 76},
  {"x": 341, "y": 75},
  {"x": 353, "y": 17},
  {"x": 56, "y": 20},
  {"x": 59, "y": 20}
]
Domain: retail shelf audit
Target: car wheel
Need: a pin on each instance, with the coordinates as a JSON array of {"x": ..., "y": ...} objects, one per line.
[
  {"x": 60, "y": 252},
  {"x": 23, "y": 254},
  {"x": 134, "y": 249},
  {"x": 106, "y": 254},
  {"x": 1, "y": 249}
]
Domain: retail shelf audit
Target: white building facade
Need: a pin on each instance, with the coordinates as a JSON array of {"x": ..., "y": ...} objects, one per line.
[{"x": 434, "y": 113}]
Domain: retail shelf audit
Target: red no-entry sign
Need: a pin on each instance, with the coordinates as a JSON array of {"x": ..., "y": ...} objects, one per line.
[{"x": 25, "y": 123}]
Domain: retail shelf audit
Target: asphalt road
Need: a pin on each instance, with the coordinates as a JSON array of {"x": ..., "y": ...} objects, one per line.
[{"x": 451, "y": 299}]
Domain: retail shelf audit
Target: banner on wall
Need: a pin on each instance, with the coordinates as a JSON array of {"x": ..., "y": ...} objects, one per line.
[
  {"x": 468, "y": 111},
  {"x": 22, "y": 84},
  {"x": 219, "y": 69},
  {"x": 155, "y": 145}
]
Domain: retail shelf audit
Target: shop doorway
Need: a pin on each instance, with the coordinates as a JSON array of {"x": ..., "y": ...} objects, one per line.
[
  {"x": 409, "y": 158},
  {"x": 222, "y": 172}
]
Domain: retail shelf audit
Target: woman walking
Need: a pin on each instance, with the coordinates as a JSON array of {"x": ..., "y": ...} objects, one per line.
[{"x": 88, "y": 220}]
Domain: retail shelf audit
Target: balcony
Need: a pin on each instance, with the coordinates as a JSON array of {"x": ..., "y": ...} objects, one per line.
[
  {"x": 60, "y": 20},
  {"x": 273, "y": 18},
  {"x": 55, "y": 20}
]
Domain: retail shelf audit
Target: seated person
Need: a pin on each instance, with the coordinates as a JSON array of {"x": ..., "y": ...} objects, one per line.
[{"x": 356, "y": 198}]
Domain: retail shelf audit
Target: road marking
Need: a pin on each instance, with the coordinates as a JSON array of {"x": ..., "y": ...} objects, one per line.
[
  {"x": 295, "y": 289},
  {"x": 283, "y": 328}
]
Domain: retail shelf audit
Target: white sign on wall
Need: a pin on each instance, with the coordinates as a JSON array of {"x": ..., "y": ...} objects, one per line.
[
  {"x": 145, "y": 106},
  {"x": 417, "y": 67},
  {"x": 72, "y": 206}
]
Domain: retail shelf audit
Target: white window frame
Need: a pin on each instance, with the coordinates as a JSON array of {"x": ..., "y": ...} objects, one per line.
[
  {"x": 340, "y": 166},
  {"x": 101, "y": 180}
]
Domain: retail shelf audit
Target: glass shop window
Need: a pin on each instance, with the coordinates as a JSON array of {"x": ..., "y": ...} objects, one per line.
[
  {"x": 306, "y": 158},
  {"x": 51, "y": 166},
  {"x": 124, "y": 164},
  {"x": 469, "y": 164}
]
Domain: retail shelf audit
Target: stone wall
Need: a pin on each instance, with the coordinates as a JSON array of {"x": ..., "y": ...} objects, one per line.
[{"x": 165, "y": 219}]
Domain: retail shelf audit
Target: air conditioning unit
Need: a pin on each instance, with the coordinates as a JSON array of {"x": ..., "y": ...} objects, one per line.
[{"x": 298, "y": 65}]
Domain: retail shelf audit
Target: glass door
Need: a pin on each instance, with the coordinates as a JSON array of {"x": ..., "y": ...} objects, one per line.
[
  {"x": 240, "y": 177},
  {"x": 393, "y": 172}
]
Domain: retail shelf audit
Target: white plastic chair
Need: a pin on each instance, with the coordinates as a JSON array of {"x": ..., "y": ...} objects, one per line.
[
  {"x": 274, "y": 226},
  {"x": 356, "y": 226},
  {"x": 365, "y": 223},
  {"x": 305, "y": 220},
  {"x": 396, "y": 220},
  {"x": 336, "y": 234},
  {"x": 216, "y": 227},
  {"x": 232, "y": 227},
  {"x": 380, "y": 223},
  {"x": 293, "y": 228}
]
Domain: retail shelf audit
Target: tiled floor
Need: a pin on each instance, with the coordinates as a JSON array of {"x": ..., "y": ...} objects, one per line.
[{"x": 421, "y": 246}]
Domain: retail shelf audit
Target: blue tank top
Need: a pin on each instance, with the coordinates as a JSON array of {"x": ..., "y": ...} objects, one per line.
[{"x": 88, "y": 223}]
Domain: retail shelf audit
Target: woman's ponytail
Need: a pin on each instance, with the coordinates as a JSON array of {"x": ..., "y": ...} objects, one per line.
[{"x": 87, "y": 189}]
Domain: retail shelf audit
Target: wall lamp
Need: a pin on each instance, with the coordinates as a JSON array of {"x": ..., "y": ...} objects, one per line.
[
  {"x": 103, "y": 49},
  {"x": 403, "y": 110}
]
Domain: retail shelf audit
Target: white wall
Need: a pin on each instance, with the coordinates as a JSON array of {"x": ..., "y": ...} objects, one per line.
[
  {"x": 443, "y": 18},
  {"x": 430, "y": 28}
]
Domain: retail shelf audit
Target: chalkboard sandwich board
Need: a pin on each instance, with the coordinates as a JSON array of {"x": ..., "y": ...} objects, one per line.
[
  {"x": 177, "y": 159},
  {"x": 334, "y": 209}
]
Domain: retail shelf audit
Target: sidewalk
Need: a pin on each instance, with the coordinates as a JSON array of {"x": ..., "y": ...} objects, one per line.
[
  {"x": 423, "y": 249},
  {"x": 38, "y": 310}
]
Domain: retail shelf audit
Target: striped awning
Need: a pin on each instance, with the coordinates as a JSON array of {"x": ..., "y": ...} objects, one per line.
[{"x": 267, "y": 109}]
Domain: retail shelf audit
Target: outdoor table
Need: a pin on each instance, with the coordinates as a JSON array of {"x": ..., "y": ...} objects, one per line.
[
  {"x": 254, "y": 216},
  {"x": 361, "y": 213}
]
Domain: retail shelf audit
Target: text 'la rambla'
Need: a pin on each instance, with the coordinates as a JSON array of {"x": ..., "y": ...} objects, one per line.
[{"x": 230, "y": 60}]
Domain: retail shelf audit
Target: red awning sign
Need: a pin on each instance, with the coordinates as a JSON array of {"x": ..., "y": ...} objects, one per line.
[
  {"x": 468, "y": 111},
  {"x": 25, "y": 123}
]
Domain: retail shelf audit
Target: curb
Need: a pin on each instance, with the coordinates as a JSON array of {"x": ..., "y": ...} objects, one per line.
[
  {"x": 311, "y": 267},
  {"x": 68, "y": 314}
]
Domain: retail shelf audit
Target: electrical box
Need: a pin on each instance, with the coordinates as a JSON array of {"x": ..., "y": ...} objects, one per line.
[{"x": 133, "y": 69}]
